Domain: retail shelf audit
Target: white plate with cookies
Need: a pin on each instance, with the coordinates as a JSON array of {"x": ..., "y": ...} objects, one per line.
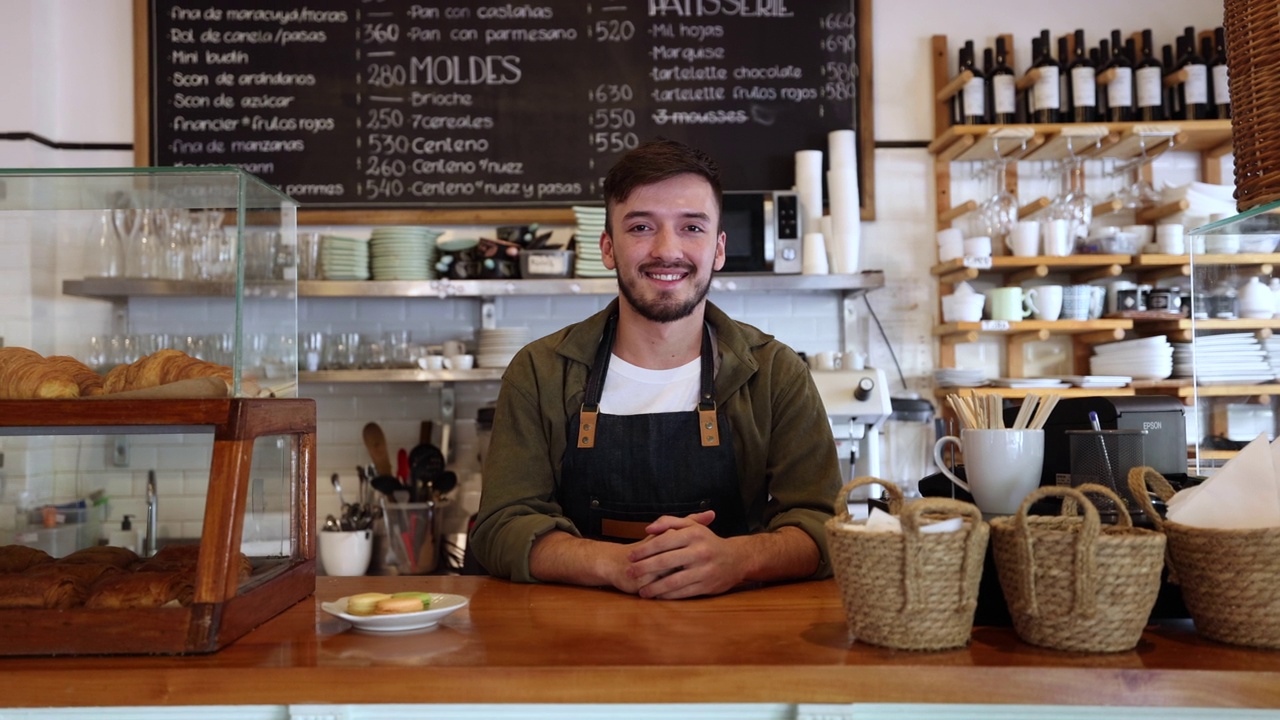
[{"x": 394, "y": 615}]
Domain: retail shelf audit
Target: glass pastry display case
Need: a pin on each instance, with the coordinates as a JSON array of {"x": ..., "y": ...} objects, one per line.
[
  {"x": 1233, "y": 316},
  {"x": 158, "y": 478}
]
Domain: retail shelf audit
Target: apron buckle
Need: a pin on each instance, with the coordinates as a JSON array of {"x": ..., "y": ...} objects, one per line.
[
  {"x": 587, "y": 427},
  {"x": 708, "y": 426}
]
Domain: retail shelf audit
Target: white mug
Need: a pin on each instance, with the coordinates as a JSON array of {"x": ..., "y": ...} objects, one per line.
[
  {"x": 1024, "y": 241},
  {"x": 1171, "y": 239},
  {"x": 1057, "y": 238},
  {"x": 979, "y": 246},
  {"x": 453, "y": 347},
  {"x": 1002, "y": 466},
  {"x": 344, "y": 553},
  {"x": 431, "y": 362},
  {"x": 459, "y": 362},
  {"x": 1044, "y": 301}
]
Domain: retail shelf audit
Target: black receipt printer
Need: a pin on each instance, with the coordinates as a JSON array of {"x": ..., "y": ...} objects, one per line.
[{"x": 1162, "y": 417}]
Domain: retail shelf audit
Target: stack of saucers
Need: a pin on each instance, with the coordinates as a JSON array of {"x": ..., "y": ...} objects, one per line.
[
  {"x": 1148, "y": 358},
  {"x": 960, "y": 377},
  {"x": 587, "y": 234},
  {"x": 499, "y": 345},
  {"x": 1223, "y": 359},
  {"x": 344, "y": 258},
  {"x": 403, "y": 253}
]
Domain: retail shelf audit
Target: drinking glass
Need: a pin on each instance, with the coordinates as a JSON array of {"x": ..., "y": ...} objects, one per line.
[
  {"x": 1072, "y": 203},
  {"x": 104, "y": 249},
  {"x": 999, "y": 213}
]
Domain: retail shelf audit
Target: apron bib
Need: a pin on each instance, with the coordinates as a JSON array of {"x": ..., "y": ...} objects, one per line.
[{"x": 621, "y": 472}]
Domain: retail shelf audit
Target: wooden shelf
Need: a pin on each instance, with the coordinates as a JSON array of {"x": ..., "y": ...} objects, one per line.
[
  {"x": 1018, "y": 327},
  {"x": 1188, "y": 135},
  {"x": 1082, "y": 267},
  {"x": 1019, "y": 393},
  {"x": 1201, "y": 325},
  {"x": 1187, "y": 390},
  {"x": 401, "y": 375}
]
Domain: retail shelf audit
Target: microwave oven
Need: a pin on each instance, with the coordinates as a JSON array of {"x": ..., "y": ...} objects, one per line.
[{"x": 762, "y": 232}]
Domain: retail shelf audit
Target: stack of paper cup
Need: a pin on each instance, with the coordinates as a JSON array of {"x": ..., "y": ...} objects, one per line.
[
  {"x": 815, "y": 255},
  {"x": 950, "y": 244},
  {"x": 809, "y": 188},
  {"x": 843, "y": 243}
]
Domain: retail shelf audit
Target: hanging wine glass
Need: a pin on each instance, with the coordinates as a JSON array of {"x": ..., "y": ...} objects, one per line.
[
  {"x": 1072, "y": 203},
  {"x": 998, "y": 214}
]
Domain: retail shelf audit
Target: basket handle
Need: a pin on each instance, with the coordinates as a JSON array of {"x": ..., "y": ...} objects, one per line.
[
  {"x": 1071, "y": 508},
  {"x": 912, "y": 568},
  {"x": 1142, "y": 478},
  {"x": 841, "y": 504},
  {"x": 1084, "y": 562}
]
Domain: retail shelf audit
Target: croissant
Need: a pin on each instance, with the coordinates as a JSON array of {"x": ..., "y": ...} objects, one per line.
[
  {"x": 161, "y": 368},
  {"x": 84, "y": 573},
  {"x": 141, "y": 590},
  {"x": 90, "y": 382},
  {"x": 120, "y": 557},
  {"x": 16, "y": 558},
  {"x": 57, "y": 592},
  {"x": 25, "y": 375}
]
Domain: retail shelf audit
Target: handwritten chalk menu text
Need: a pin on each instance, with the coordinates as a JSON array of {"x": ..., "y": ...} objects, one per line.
[{"x": 389, "y": 103}]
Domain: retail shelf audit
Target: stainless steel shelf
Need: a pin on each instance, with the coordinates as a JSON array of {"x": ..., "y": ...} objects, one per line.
[
  {"x": 406, "y": 375},
  {"x": 120, "y": 288}
]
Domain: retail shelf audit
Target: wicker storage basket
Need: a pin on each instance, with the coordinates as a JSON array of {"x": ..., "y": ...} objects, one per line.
[
  {"x": 1253, "y": 63},
  {"x": 909, "y": 590},
  {"x": 1230, "y": 578},
  {"x": 1072, "y": 583}
]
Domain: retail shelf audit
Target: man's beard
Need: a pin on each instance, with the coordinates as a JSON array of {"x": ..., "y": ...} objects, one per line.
[{"x": 666, "y": 308}]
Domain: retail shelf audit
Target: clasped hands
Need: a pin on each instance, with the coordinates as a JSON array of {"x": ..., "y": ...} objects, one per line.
[{"x": 680, "y": 558}]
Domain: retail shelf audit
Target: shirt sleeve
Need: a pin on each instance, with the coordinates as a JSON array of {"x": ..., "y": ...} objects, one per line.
[{"x": 518, "y": 502}]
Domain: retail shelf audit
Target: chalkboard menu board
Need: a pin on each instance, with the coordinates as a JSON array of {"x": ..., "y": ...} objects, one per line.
[{"x": 449, "y": 103}]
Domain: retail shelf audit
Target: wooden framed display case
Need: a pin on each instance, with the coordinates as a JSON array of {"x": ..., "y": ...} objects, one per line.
[{"x": 218, "y": 468}]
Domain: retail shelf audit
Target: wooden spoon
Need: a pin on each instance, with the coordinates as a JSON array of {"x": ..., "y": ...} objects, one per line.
[{"x": 376, "y": 442}]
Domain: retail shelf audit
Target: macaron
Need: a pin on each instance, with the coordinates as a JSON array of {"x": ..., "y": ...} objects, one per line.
[
  {"x": 424, "y": 597},
  {"x": 364, "y": 603},
  {"x": 396, "y": 605}
]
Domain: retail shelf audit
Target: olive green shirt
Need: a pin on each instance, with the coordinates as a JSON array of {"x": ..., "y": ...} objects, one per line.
[{"x": 785, "y": 453}]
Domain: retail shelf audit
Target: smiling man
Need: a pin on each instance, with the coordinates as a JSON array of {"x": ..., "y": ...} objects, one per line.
[{"x": 658, "y": 447}]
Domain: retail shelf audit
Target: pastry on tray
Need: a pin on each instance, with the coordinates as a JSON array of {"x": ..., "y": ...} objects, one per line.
[
  {"x": 27, "y": 375},
  {"x": 121, "y": 557},
  {"x": 87, "y": 573},
  {"x": 141, "y": 590},
  {"x": 53, "y": 592},
  {"x": 17, "y": 558}
]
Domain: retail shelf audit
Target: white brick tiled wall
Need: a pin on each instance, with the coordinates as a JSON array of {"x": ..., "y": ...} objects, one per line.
[{"x": 69, "y": 78}]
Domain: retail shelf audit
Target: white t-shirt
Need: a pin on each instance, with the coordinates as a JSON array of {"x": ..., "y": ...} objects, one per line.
[{"x": 633, "y": 390}]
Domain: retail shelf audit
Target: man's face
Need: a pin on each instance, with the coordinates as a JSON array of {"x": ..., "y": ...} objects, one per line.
[{"x": 665, "y": 241}]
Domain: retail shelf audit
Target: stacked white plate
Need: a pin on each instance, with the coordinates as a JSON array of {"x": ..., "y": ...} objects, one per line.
[
  {"x": 344, "y": 258},
  {"x": 588, "y": 262},
  {"x": 959, "y": 377},
  {"x": 499, "y": 345},
  {"x": 1272, "y": 346},
  {"x": 1098, "y": 381},
  {"x": 1222, "y": 359},
  {"x": 1149, "y": 358},
  {"x": 1027, "y": 383},
  {"x": 403, "y": 253}
]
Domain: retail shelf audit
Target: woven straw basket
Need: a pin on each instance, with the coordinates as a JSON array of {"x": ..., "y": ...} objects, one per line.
[
  {"x": 1253, "y": 63},
  {"x": 1072, "y": 583},
  {"x": 909, "y": 590},
  {"x": 1230, "y": 578}
]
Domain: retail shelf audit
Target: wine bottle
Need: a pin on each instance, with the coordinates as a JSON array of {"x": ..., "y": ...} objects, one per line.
[
  {"x": 1119, "y": 94},
  {"x": 988, "y": 60},
  {"x": 1004, "y": 93},
  {"x": 1027, "y": 103},
  {"x": 973, "y": 95},
  {"x": 1148, "y": 75},
  {"x": 957, "y": 100},
  {"x": 1064, "y": 87},
  {"x": 1082, "y": 79},
  {"x": 1193, "y": 93},
  {"x": 1173, "y": 109},
  {"x": 1046, "y": 92},
  {"x": 1218, "y": 72}
]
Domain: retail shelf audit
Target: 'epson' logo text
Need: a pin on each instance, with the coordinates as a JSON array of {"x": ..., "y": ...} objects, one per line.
[{"x": 1152, "y": 425}]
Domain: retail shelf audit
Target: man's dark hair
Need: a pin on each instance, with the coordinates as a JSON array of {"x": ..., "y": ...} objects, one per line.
[{"x": 653, "y": 162}]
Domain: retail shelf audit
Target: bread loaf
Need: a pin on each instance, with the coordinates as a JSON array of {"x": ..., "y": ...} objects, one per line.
[{"x": 27, "y": 375}]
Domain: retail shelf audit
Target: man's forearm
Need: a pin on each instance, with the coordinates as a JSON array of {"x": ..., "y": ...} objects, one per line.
[
  {"x": 561, "y": 557},
  {"x": 787, "y": 553}
]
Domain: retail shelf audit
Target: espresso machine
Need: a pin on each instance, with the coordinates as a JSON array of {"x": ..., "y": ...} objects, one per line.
[{"x": 857, "y": 404}]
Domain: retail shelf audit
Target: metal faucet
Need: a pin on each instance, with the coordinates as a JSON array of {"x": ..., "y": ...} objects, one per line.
[{"x": 149, "y": 543}]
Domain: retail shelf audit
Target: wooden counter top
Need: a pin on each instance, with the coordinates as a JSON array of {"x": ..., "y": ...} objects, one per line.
[{"x": 541, "y": 643}]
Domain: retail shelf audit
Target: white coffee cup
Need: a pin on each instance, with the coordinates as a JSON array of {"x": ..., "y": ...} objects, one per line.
[
  {"x": 431, "y": 362},
  {"x": 979, "y": 246},
  {"x": 1171, "y": 239},
  {"x": 1044, "y": 301},
  {"x": 963, "y": 307},
  {"x": 827, "y": 360},
  {"x": 1145, "y": 233},
  {"x": 1057, "y": 238},
  {"x": 1024, "y": 241},
  {"x": 1002, "y": 466},
  {"x": 459, "y": 362},
  {"x": 344, "y": 553},
  {"x": 951, "y": 248}
]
